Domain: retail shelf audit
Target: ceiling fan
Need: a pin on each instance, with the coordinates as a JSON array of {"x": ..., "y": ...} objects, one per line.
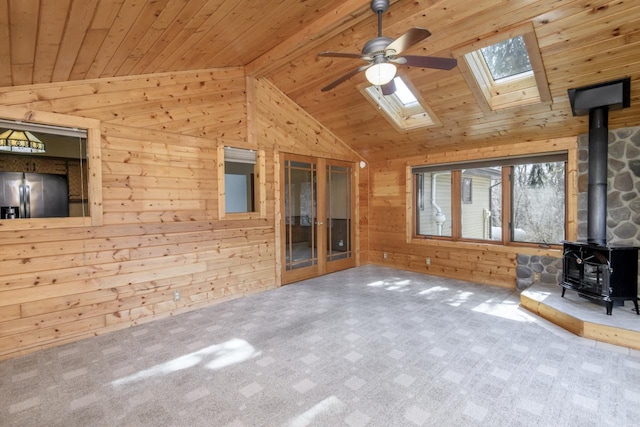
[{"x": 381, "y": 53}]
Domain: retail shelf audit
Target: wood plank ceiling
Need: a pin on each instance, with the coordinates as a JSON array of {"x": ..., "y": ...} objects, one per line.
[{"x": 581, "y": 42}]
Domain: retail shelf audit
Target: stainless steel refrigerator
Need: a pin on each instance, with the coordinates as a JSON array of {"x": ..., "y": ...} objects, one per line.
[{"x": 33, "y": 195}]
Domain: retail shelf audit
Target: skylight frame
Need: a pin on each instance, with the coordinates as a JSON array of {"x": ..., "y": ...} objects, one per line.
[
  {"x": 519, "y": 90},
  {"x": 404, "y": 117}
]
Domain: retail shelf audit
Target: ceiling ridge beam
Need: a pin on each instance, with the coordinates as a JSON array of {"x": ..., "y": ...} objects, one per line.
[{"x": 339, "y": 19}]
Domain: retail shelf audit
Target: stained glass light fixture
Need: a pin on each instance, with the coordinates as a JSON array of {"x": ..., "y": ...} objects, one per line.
[{"x": 20, "y": 142}]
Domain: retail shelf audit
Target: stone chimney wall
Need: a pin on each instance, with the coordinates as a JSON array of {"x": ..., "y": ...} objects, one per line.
[
  {"x": 623, "y": 187},
  {"x": 623, "y": 204}
]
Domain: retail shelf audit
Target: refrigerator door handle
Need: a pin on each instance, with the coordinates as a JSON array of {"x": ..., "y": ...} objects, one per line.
[
  {"x": 21, "y": 209},
  {"x": 27, "y": 201}
]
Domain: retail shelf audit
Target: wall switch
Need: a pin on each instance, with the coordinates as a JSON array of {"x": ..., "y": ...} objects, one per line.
[
  {"x": 536, "y": 277},
  {"x": 427, "y": 261},
  {"x": 384, "y": 255},
  {"x": 176, "y": 295}
]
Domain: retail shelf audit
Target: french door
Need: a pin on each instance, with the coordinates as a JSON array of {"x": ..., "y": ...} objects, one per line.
[{"x": 317, "y": 207}]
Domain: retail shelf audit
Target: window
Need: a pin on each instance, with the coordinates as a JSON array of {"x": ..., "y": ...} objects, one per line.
[
  {"x": 239, "y": 177},
  {"x": 434, "y": 201},
  {"x": 241, "y": 182},
  {"x": 402, "y": 108},
  {"x": 535, "y": 185},
  {"x": 465, "y": 201},
  {"x": 480, "y": 200},
  {"x": 50, "y": 171},
  {"x": 505, "y": 71}
]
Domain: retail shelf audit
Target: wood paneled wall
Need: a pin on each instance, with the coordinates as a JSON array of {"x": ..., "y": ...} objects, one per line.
[
  {"x": 390, "y": 210},
  {"x": 161, "y": 231}
]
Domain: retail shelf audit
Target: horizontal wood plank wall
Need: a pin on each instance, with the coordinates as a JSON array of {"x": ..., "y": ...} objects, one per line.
[
  {"x": 390, "y": 207},
  {"x": 161, "y": 233}
]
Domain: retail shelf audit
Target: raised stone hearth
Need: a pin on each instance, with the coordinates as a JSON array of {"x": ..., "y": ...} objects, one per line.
[
  {"x": 584, "y": 318},
  {"x": 574, "y": 313}
]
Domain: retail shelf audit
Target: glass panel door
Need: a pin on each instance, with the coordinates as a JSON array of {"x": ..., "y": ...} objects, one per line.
[
  {"x": 317, "y": 206},
  {"x": 338, "y": 217},
  {"x": 300, "y": 220}
]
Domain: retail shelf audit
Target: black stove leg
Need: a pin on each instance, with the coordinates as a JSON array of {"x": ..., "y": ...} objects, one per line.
[
  {"x": 635, "y": 303},
  {"x": 609, "y": 307},
  {"x": 563, "y": 289}
]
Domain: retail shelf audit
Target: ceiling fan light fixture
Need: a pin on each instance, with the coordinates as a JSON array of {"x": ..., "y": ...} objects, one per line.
[{"x": 381, "y": 73}]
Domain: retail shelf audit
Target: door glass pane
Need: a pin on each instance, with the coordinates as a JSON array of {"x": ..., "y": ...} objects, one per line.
[
  {"x": 433, "y": 203},
  {"x": 300, "y": 215},
  {"x": 481, "y": 203},
  {"x": 338, "y": 213}
]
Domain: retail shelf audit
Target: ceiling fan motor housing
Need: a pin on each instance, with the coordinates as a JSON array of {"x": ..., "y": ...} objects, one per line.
[
  {"x": 381, "y": 54},
  {"x": 376, "y": 46}
]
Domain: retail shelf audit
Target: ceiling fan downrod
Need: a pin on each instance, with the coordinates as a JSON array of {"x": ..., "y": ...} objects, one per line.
[{"x": 379, "y": 7}]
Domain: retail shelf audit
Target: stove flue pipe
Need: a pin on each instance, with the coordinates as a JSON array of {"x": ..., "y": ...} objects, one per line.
[
  {"x": 597, "y": 100},
  {"x": 597, "y": 177}
]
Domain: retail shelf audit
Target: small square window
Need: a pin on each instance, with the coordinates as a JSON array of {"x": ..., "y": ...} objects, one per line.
[
  {"x": 239, "y": 177},
  {"x": 241, "y": 183}
]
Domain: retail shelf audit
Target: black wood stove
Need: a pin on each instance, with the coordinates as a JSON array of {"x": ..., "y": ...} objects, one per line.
[
  {"x": 601, "y": 273},
  {"x": 594, "y": 269}
]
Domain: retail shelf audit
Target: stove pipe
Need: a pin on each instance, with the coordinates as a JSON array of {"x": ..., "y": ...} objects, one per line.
[
  {"x": 597, "y": 100},
  {"x": 597, "y": 188}
]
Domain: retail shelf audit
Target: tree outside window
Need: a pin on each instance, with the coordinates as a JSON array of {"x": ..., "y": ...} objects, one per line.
[{"x": 539, "y": 202}]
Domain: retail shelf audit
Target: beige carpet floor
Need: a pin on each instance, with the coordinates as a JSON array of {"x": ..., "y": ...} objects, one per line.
[{"x": 370, "y": 346}]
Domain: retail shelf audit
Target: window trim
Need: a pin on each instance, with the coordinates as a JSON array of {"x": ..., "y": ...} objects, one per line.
[
  {"x": 260, "y": 183},
  {"x": 520, "y": 150},
  {"x": 94, "y": 168}
]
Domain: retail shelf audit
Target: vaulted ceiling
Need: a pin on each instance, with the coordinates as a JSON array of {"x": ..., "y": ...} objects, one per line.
[{"x": 581, "y": 42}]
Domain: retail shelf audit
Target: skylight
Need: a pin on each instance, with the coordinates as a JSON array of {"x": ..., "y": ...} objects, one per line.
[
  {"x": 404, "y": 94},
  {"x": 505, "y": 71},
  {"x": 507, "y": 58},
  {"x": 402, "y": 108}
]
